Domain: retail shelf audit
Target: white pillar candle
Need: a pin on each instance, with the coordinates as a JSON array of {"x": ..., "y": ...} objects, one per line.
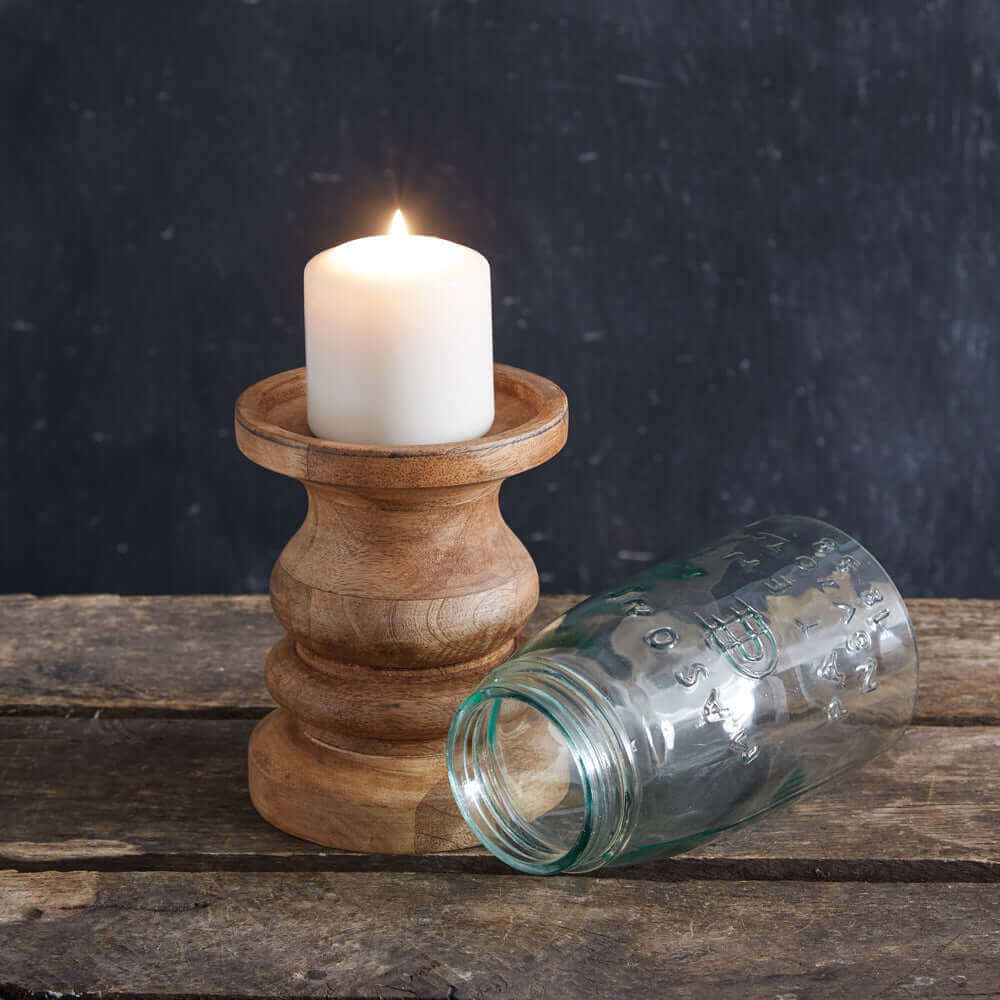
[{"x": 399, "y": 341}]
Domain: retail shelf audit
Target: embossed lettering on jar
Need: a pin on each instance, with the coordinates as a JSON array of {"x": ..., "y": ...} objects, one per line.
[{"x": 703, "y": 693}]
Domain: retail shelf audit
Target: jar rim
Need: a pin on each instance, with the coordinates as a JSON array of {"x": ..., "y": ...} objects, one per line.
[
  {"x": 590, "y": 730},
  {"x": 503, "y": 834}
]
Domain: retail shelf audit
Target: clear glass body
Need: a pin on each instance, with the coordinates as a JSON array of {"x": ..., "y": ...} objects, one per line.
[{"x": 703, "y": 693}]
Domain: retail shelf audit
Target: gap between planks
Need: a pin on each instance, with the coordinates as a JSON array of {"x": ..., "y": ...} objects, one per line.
[
  {"x": 668, "y": 870},
  {"x": 256, "y": 713}
]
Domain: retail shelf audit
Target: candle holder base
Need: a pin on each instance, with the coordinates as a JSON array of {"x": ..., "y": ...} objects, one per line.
[
  {"x": 401, "y": 590},
  {"x": 353, "y": 801}
]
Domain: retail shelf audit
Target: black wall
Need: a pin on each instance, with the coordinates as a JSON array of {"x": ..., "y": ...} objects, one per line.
[{"x": 755, "y": 242}]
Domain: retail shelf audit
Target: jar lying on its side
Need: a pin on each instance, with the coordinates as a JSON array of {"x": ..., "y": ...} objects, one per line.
[{"x": 705, "y": 692}]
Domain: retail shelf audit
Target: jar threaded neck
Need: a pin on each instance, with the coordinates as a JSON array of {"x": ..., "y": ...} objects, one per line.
[{"x": 541, "y": 769}]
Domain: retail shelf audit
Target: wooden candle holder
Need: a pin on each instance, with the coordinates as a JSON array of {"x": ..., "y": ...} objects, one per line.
[{"x": 402, "y": 588}]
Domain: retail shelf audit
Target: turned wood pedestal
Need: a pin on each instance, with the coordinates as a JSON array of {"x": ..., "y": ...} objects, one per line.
[{"x": 401, "y": 590}]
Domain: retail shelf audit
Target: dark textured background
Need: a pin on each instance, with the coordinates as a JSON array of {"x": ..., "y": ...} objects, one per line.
[{"x": 755, "y": 242}]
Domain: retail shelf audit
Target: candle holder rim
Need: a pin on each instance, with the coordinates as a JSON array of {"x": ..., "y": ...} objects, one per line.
[{"x": 538, "y": 435}]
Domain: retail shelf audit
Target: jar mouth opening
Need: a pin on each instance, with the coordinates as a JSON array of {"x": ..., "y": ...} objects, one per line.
[{"x": 520, "y": 780}]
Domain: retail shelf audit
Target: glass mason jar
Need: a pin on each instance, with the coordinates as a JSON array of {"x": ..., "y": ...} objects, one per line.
[{"x": 705, "y": 692}]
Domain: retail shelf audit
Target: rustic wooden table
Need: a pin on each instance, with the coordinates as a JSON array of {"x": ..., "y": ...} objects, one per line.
[{"x": 133, "y": 865}]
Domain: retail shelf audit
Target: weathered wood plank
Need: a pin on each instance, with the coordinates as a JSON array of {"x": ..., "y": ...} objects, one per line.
[
  {"x": 463, "y": 936},
  {"x": 959, "y": 646},
  {"x": 154, "y": 654},
  {"x": 137, "y": 793},
  {"x": 204, "y": 656}
]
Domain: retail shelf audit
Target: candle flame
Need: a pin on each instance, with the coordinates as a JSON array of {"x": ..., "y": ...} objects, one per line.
[{"x": 398, "y": 227}]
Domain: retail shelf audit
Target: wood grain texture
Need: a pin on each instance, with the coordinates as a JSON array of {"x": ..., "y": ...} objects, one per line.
[
  {"x": 529, "y": 428},
  {"x": 202, "y": 655},
  {"x": 139, "y": 655},
  {"x": 393, "y": 935},
  {"x": 137, "y": 866},
  {"x": 168, "y": 793},
  {"x": 959, "y": 647},
  {"x": 402, "y": 588}
]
